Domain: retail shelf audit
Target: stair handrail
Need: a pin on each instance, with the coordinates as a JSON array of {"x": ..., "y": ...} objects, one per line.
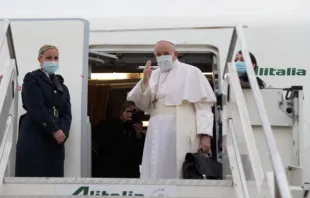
[
  {"x": 246, "y": 132},
  {"x": 6, "y": 34},
  {"x": 8, "y": 97},
  {"x": 280, "y": 175},
  {"x": 235, "y": 160},
  {"x": 7, "y": 108}
]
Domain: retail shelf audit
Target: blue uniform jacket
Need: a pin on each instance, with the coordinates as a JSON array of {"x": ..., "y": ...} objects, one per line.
[{"x": 48, "y": 109}]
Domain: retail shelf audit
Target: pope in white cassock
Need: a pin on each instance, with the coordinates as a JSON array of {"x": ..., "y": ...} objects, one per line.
[{"x": 179, "y": 100}]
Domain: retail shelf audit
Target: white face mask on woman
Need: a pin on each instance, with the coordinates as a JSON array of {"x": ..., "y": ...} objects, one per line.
[{"x": 164, "y": 62}]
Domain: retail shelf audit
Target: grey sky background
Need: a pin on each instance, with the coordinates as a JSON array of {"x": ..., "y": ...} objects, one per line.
[{"x": 148, "y": 8}]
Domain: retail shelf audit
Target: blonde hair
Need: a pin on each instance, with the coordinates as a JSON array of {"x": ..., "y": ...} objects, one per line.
[{"x": 44, "y": 48}]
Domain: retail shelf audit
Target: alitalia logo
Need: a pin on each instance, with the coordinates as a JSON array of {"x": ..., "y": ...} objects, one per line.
[
  {"x": 260, "y": 71},
  {"x": 85, "y": 190}
]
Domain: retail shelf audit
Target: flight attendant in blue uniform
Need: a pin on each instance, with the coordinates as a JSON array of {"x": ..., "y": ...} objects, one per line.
[{"x": 45, "y": 127}]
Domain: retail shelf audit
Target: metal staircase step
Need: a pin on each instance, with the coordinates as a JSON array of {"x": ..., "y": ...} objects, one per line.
[
  {"x": 55, "y": 196},
  {"x": 117, "y": 187},
  {"x": 66, "y": 187}
]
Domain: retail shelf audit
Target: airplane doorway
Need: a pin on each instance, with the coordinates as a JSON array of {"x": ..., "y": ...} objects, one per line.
[{"x": 113, "y": 75}]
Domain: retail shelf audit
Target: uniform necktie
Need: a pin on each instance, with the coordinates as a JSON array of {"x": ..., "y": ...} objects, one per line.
[{"x": 51, "y": 76}]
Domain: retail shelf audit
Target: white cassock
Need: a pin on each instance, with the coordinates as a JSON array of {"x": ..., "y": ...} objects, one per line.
[{"x": 182, "y": 112}]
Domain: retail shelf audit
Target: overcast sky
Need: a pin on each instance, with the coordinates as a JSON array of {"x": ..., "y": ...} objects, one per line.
[{"x": 148, "y": 8}]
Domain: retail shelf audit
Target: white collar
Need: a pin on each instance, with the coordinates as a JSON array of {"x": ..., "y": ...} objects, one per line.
[{"x": 45, "y": 73}]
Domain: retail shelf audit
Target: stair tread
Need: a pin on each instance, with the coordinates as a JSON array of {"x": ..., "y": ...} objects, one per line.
[{"x": 73, "y": 180}]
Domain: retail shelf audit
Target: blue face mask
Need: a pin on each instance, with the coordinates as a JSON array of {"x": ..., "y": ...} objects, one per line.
[
  {"x": 241, "y": 67},
  {"x": 50, "y": 67}
]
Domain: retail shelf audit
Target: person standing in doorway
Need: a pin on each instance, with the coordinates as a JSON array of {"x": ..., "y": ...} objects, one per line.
[
  {"x": 179, "y": 99},
  {"x": 45, "y": 127},
  {"x": 120, "y": 143}
]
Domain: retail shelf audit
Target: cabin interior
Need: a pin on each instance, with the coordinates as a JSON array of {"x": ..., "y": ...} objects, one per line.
[{"x": 113, "y": 75}]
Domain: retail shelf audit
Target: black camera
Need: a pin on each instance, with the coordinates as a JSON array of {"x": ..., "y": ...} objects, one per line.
[{"x": 137, "y": 116}]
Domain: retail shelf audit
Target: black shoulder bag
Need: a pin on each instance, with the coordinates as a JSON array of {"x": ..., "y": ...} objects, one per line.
[{"x": 199, "y": 166}]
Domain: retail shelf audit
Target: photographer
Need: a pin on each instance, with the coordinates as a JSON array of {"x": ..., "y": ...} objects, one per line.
[{"x": 120, "y": 143}]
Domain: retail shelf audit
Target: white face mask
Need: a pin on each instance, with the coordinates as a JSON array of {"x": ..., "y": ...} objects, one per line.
[{"x": 164, "y": 62}]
